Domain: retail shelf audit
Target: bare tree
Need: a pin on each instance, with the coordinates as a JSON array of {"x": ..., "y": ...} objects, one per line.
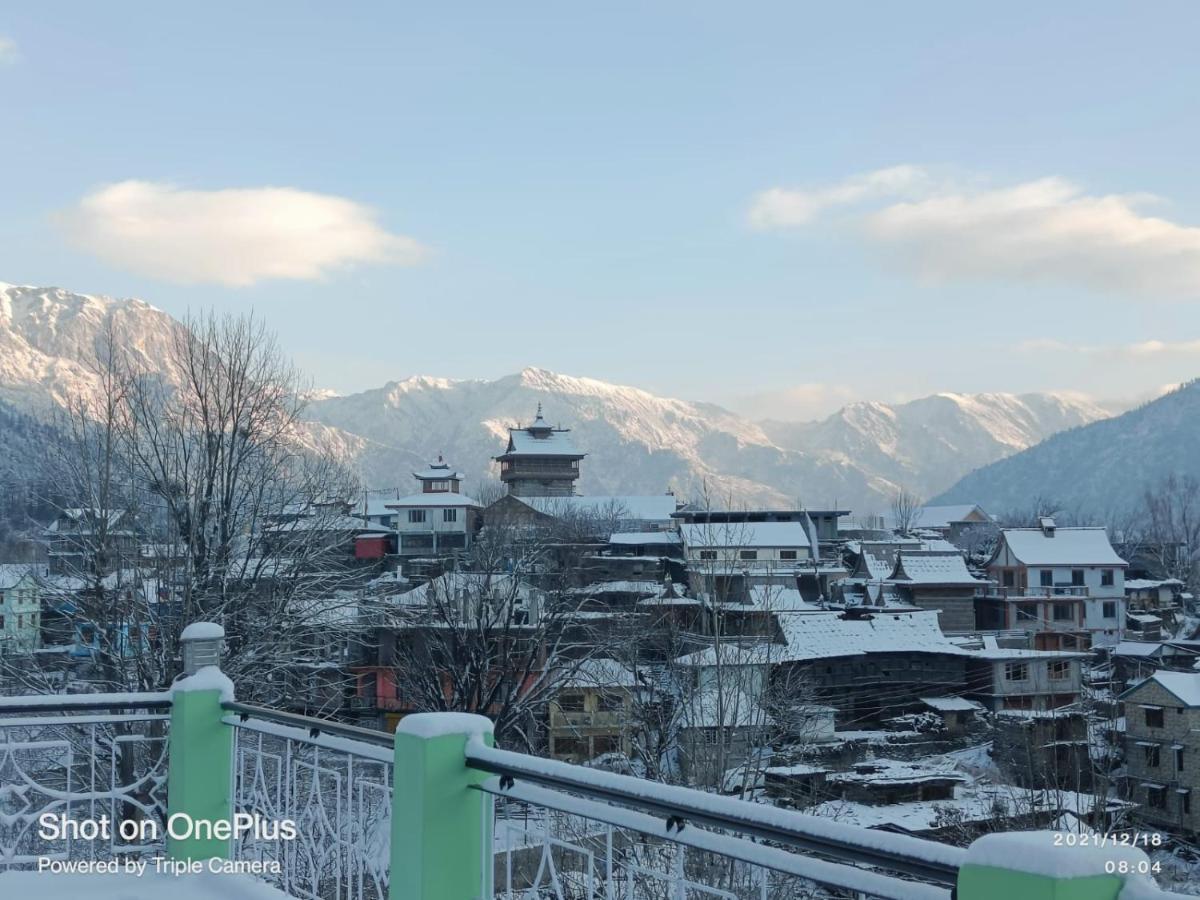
[
  {"x": 906, "y": 510},
  {"x": 195, "y": 502},
  {"x": 1170, "y": 538}
]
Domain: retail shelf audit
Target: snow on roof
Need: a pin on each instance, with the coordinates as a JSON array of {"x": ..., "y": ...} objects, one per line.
[
  {"x": 878, "y": 563},
  {"x": 539, "y": 439},
  {"x": 796, "y": 769},
  {"x": 1184, "y": 685},
  {"x": 896, "y": 771},
  {"x": 732, "y": 655},
  {"x": 1137, "y": 648},
  {"x": 600, "y": 673},
  {"x": 996, "y": 654},
  {"x": 944, "y": 516},
  {"x": 12, "y": 573},
  {"x": 825, "y": 635},
  {"x": 950, "y": 704},
  {"x": 443, "y": 498},
  {"x": 1144, "y": 618},
  {"x": 1067, "y": 547},
  {"x": 645, "y": 587},
  {"x": 933, "y": 568},
  {"x": 636, "y": 538},
  {"x": 745, "y": 534},
  {"x": 773, "y": 598},
  {"x": 1147, "y": 584},
  {"x": 654, "y": 507}
]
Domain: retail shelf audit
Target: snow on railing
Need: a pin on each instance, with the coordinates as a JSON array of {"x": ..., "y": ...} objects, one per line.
[
  {"x": 82, "y": 758},
  {"x": 335, "y": 790}
]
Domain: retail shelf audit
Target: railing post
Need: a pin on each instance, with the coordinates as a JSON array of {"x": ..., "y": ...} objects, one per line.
[
  {"x": 441, "y": 829},
  {"x": 200, "y": 765},
  {"x": 1041, "y": 865}
]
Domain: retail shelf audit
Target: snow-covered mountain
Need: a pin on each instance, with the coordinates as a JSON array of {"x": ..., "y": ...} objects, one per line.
[
  {"x": 636, "y": 442},
  {"x": 1098, "y": 468},
  {"x": 928, "y": 443}
]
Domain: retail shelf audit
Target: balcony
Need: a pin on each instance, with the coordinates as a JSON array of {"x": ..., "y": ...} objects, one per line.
[
  {"x": 1037, "y": 592},
  {"x": 436, "y": 812}
]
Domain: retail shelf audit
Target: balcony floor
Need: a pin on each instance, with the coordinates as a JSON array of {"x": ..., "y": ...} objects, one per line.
[{"x": 123, "y": 886}]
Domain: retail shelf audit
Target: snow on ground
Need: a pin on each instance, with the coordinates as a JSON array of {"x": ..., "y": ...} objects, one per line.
[{"x": 122, "y": 886}]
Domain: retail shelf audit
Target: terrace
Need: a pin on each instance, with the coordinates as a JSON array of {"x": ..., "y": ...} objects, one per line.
[{"x": 328, "y": 811}]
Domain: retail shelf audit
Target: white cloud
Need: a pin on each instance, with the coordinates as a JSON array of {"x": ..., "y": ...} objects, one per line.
[
  {"x": 1047, "y": 230},
  {"x": 787, "y": 207},
  {"x": 235, "y": 236},
  {"x": 9, "y": 53}
]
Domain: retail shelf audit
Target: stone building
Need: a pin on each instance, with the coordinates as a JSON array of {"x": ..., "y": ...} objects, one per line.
[{"x": 1162, "y": 750}]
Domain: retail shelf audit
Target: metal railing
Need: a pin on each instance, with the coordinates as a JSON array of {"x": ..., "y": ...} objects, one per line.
[
  {"x": 333, "y": 782},
  {"x": 77, "y": 758},
  {"x": 566, "y": 831}
]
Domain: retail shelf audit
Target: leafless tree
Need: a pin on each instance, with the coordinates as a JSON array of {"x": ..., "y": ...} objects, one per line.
[
  {"x": 906, "y": 510},
  {"x": 1170, "y": 536},
  {"x": 197, "y": 503}
]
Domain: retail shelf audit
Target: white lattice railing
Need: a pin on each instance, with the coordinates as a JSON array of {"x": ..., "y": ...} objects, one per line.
[{"x": 98, "y": 758}]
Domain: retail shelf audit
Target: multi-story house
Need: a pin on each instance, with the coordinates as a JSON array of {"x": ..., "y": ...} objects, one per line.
[
  {"x": 1013, "y": 679},
  {"x": 934, "y": 579},
  {"x": 1064, "y": 586},
  {"x": 20, "y": 608},
  {"x": 91, "y": 541},
  {"x": 592, "y": 711},
  {"x": 1162, "y": 750},
  {"x": 725, "y": 558},
  {"x": 438, "y": 522}
]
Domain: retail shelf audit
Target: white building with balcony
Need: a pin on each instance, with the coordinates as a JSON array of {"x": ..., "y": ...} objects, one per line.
[
  {"x": 440, "y": 521},
  {"x": 1063, "y": 568}
]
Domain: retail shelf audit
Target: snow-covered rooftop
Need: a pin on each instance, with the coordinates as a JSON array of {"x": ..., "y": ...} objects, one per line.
[
  {"x": 745, "y": 534},
  {"x": 12, "y": 573},
  {"x": 933, "y": 568},
  {"x": 895, "y": 771},
  {"x": 600, "y": 673},
  {"x": 1184, "y": 685},
  {"x": 1062, "y": 547},
  {"x": 1137, "y": 648},
  {"x": 825, "y": 635},
  {"x": 950, "y": 704},
  {"x": 636, "y": 538},
  {"x": 443, "y": 498},
  {"x": 945, "y": 516},
  {"x": 654, "y": 507}
]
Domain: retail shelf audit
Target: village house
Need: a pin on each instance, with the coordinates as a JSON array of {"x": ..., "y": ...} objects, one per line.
[
  {"x": 960, "y": 524},
  {"x": 1162, "y": 750},
  {"x": 1063, "y": 586},
  {"x": 1008, "y": 679},
  {"x": 868, "y": 666},
  {"x": 438, "y": 522},
  {"x": 725, "y": 559},
  {"x": 1134, "y": 660},
  {"x": 939, "y": 580},
  {"x": 1046, "y": 749},
  {"x": 20, "y": 608},
  {"x": 592, "y": 710},
  {"x": 91, "y": 541}
]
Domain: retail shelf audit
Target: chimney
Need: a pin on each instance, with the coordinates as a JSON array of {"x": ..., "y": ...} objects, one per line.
[{"x": 1047, "y": 525}]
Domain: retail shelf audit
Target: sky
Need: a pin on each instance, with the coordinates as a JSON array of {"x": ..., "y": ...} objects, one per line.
[{"x": 781, "y": 207}]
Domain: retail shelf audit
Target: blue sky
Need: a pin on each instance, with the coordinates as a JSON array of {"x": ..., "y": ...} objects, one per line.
[{"x": 686, "y": 197}]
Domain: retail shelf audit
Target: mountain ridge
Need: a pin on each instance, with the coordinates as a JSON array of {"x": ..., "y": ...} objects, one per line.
[{"x": 637, "y": 441}]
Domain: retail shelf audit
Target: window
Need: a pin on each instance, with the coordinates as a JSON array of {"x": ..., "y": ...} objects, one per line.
[
  {"x": 710, "y": 735},
  {"x": 1154, "y": 716},
  {"x": 570, "y": 703},
  {"x": 708, "y": 554},
  {"x": 439, "y": 485},
  {"x": 1156, "y": 797},
  {"x": 570, "y": 747},
  {"x": 1185, "y": 801},
  {"x": 1179, "y": 767},
  {"x": 1110, "y": 609},
  {"x": 1106, "y": 577},
  {"x": 1151, "y": 755},
  {"x": 787, "y": 554},
  {"x": 1009, "y": 579},
  {"x": 21, "y": 621},
  {"x": 1016, "y": 671},
  {"x": 1077, "y": 577},
  {"x": 1060, "y": 669},
  {"x": 611, "y": 702},
  {"x": 449, "y": 515},
  {"x": 1063, "y": 612},
  {"x": 1, "y": 621},
  {"x": 1027, "y": 612},
  {"x": 605, "y": 743},
  {"x": 1047, "y": 578},
  {"x": 416, "y": 515},
  {"x": 748, "y": 554}
]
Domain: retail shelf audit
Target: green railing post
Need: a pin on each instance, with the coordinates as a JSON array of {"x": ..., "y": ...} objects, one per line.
[
  {"x": 441, "y": 829},
  {"x": 200, "y": 765},
  {"x": 1046, "y": 865}
]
